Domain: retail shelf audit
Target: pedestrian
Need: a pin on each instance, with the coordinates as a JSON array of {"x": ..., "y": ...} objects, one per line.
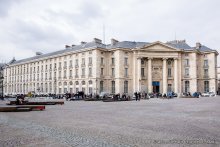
[{"x": 136, "y": 96}]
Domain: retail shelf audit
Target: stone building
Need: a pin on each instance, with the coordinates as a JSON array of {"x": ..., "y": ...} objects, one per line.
[{"x": 119, "y": 67}]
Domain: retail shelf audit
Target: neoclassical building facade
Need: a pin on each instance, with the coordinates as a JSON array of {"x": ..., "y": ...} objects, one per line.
[{"x": 119, "y": 67}]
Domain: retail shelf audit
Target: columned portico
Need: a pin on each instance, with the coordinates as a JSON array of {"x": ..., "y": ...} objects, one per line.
[
  {"x": 164, "y": 75},
  {"x": 149, "y": 75}
]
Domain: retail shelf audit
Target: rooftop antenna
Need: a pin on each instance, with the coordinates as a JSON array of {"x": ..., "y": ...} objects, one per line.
[
  {"x": 175, "y": 35},
  {"x": 103, "y": 33}
]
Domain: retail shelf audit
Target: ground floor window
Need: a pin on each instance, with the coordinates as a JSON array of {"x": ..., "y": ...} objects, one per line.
[
  {"x": 71, "y": 90},
  {"x": 186, "y": 86},
  {"x": 90, "y": 90},
  {"x": 206, "y": 86},
  {"x": 65, "y": 90},
  {"x": 169, "y": 88},
  {"x": 101, "y": 86},
  {"x": 125, "y": 86},
  {"x": 113, "y": 86}
]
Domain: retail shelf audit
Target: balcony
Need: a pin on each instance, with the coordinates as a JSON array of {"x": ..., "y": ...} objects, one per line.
[
  {"x": 64, "y": 77},
  {"x": 55, "y": 69},
  {"x": 90, "y": 75},
  {"x": 90, "y": 64}
]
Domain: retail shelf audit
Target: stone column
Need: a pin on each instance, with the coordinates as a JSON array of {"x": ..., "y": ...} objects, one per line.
[
  {"x": 164, "y": 75},
  {"x": 175, "y": 75},
  {"x": 149, "y": 75},
  {"x": 139, "y": 74}
]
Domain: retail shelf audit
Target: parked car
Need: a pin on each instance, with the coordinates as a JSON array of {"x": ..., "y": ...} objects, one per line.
[
  {"x": 208, "y": 94},
  {"x": 103, "y": 95}
]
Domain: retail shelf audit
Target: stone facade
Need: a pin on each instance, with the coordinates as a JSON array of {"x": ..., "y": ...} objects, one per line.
[{"x": 119, "y": 67}]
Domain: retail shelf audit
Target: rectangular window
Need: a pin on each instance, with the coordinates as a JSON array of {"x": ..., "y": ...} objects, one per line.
[
  {"x": 102, "y": 71},
  {"x": 90, "y": 90},
  {"x": 83, "y": 71},
  {"x": 59, "y": 64},
  {"x": 90, "y": 71},
  {"x": 142, "y": 72},
  {"x": 113, "y": 61},
  {"x": 113, "y": 72},
  {"x": 71, "y": 73},
  {"x": 101, "y": 86},
  {"x": 169, "y": 72},
  {"x": 206, "y": 73},
  {"x": 76, "y": 63},
  {"x": 125, "y": 86},
  {"x": 71, "y": 63},
  {"x": 59, "y": 74},
  {"x": 186, "y": 86},
  {"x": 65, "y": 64},
  {"x": 76, "y": 72},
  {"x": 113, "y": 86},
  {"x": 90, "y": 60},
  {"x": 102, "y": 61},
  {"x": 126, "y": 61},
  {"x": 206, "y": 86},
  {"x": 55, "y": 65},
  {"x": 126, "y": 72},
  {"x": 83, "y": 61},
  {"x": 206, "y": 63},
  {"x": 50, "y": 66},
  {"x": 169, "y": 89},
  {"x": 64, "y": 74},
  {"x": 186, "y": 71},
  {"x": 186, "y": 62}
]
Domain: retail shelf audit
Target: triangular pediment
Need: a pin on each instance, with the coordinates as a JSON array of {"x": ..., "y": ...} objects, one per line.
[{"x": 158, "y": 46}]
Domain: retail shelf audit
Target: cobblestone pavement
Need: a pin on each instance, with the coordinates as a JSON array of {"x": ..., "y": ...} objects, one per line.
[{"x": 154, "y": 122}]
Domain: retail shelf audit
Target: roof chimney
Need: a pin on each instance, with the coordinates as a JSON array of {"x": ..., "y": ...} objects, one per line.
[
  {"x": 114, "y": 41},
  {"x": 198, "y": 45},
  {"x": 83, "y": 42},
  {"x": 96, "y": 40},
  {"x": 67, "y": 46},
  {"x": 39, "y": 53}
]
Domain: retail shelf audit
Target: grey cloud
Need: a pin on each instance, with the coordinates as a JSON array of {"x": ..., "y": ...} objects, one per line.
[{"x": 6, "y": 5}]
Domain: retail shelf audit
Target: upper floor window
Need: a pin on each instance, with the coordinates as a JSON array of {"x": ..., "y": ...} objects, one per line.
[
  {"x": 90, "y": 60},
  {"x": 76, "y": 63},
  {"x": 126, "y": 61},
  {"x": 83, "y": 61},
  {"x": 113, "y": 72},
  {"x": 126, "y": 72},
  {"x": 113, "y": 61},
  {"x": 169, "y": 72},
  {"x": 142, "y": 72},
  {"x": 102, "y": 61},
  {"x": 186, "y": 71},
  {"x": 186, "y": 62},
  {"x": 206, "y": 63}
]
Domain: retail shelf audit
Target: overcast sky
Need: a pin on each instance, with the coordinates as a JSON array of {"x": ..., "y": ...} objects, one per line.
[{"x": 27, "y": 26}]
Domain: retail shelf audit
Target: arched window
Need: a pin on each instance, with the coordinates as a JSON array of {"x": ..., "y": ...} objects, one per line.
[
  {"x": 125, "y": 86},
  {"x": 77, "y": 83},
  {"x": 186, "y": 86},
  {"x": 90, "y": 82},
  {"x": 71, "y": 83}
]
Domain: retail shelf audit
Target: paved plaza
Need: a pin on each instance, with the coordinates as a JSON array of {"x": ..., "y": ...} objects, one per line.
[{"x": 155, "y": 122}]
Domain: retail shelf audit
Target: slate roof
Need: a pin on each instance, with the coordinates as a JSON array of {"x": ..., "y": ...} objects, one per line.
[
  {"x": 203, "y": 48},
  {"x": 180, "y": 44}
]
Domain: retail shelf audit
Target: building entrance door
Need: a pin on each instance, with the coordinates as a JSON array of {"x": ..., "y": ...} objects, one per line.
[{"x": 156, "y": 86}]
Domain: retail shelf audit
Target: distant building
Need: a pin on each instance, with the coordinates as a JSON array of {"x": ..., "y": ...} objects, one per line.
[
  {"x": 119, "y": 67},
  {"x": 1, "y": 79}
]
